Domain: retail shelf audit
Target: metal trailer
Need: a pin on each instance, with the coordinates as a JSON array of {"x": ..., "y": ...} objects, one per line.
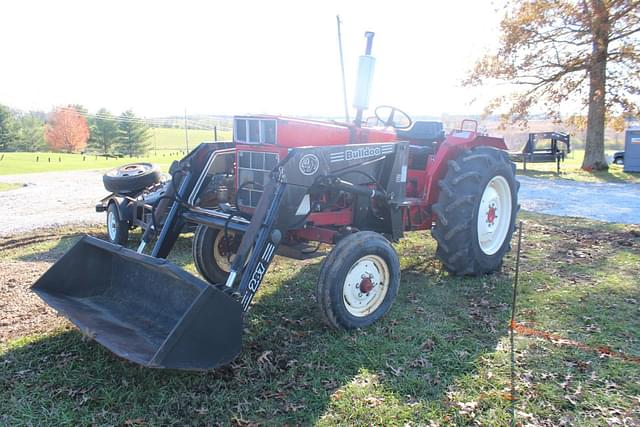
[
  {"x": 532, "y": 154},
  {"x": 632, "y": 150}
]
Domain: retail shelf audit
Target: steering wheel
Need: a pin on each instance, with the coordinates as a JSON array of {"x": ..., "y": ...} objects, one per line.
[{"x": 389, "y": 118}]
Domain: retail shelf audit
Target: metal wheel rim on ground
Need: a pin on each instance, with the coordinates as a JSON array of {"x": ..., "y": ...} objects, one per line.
[
  {"x": 494, "y": 215},
  {"x": 370, "y": 270}
]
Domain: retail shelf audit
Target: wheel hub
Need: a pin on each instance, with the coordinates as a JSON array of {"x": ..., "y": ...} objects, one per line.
[
  {"x": 494, "y": 215},
  {"x": 491, "y": 214},
  {"x": 224, "y": 250},
  {"x": 365, "y": 286}
]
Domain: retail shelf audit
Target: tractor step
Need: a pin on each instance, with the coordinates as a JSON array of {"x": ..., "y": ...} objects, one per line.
[{"x": 301, "y": 251}]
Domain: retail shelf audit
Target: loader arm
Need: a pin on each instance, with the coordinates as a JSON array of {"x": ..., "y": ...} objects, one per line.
[{"x": 311, "y": 169}]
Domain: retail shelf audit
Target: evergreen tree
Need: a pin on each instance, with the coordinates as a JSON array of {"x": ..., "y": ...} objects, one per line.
[
  {"x": 6, "y": 128},
  {"x": 29, "y": 134},
  {"x": 133, "y": 134},
  {"x": 104, "y": 131}
]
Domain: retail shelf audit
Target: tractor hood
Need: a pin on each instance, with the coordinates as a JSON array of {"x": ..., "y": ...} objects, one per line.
[{"x": 295, "y": 132}]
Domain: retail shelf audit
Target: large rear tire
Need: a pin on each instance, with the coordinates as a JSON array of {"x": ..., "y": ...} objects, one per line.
[
  {"x": 358, "y": 281},
  {"x": 476, "y": 211},
  {"x": 213, "y": 254}
]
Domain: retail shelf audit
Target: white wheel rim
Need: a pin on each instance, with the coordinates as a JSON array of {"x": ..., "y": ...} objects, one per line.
[
  {"x": 494, "y": 215},
  {"x": 112, "y": 225},
  {"x": 370, "y": 270},
  {"x": 221, "y": 259}
]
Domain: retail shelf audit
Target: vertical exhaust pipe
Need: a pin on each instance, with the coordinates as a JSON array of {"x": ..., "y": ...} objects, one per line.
[{"x": 366, "y": 67}]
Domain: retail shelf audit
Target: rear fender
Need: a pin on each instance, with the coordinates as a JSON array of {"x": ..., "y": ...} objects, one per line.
[
  {"x": 125, "y": 212},
  {"x": 454, "y": 144}
]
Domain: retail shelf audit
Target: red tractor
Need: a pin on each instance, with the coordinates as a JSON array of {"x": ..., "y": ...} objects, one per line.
[{"x": 284, "y": 186}]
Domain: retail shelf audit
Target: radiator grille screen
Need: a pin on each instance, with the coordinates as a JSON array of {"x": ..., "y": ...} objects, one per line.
[{"x": 253, "y": 172}]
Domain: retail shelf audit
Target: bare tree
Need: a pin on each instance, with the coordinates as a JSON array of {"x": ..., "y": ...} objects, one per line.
[{"x": 560, "y": 51}]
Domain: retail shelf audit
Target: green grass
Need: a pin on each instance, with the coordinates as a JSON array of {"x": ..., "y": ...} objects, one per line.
[
  {"x": 6, "y": 186},
  {"x": 170, "y": 146},
  {"x": 571, "y": 169},
  {"x": 174, "y": 138},
  {"x": 440, "y": 355},
  {"x": 19, "y": 163}
]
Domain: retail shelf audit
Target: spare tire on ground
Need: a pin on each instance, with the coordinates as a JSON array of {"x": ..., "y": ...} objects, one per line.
[{"x": 131, "y": 178}]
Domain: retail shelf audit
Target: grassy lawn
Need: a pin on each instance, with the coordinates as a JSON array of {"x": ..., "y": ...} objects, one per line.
[
  {"x": 18, "y": 163},
  {"x": 6, "y": 186},
  {"x": 170, "y": 146},
  {"x": 173, "y": 138},
  {"x": 570, "y": 169},
  {"x": 441, "y": 356}
]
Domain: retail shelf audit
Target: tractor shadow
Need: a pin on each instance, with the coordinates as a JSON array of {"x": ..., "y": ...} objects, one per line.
[{"x": 292, "y": 368}]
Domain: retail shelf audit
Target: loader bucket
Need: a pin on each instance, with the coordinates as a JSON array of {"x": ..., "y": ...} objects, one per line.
[{"x": 143, "y": 309}]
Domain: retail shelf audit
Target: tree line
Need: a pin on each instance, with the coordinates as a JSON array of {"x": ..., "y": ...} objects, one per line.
[{"x": 72, "y": 129}]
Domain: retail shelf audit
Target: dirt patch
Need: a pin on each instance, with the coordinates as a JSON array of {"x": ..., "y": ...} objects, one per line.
[{"x": 22, "y": 313}]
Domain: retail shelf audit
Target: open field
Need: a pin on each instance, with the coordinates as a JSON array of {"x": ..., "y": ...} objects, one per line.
[
  {"x": 441, "y": 355},
  {"x": 170, "y": 146},
  {"x": 570, "y": 169},
  {"x": 18, "y": 163},
  {"x": 174, "y": 139}
]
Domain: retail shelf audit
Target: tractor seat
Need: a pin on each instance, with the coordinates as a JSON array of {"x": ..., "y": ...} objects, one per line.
[{"x": 422, "y": 132}]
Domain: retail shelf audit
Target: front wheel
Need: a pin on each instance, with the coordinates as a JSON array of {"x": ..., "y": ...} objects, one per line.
[
  {"x": 476, "y": 211},
  {"x": 358, "y": 281},
  {"x": 214, "y": 252}
]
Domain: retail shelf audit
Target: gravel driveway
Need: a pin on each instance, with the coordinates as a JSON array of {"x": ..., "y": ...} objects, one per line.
[
  {"x": 58, "y": 198},
  {"x": 50, "y": 199},
  {"x": 609, "y": 202}
]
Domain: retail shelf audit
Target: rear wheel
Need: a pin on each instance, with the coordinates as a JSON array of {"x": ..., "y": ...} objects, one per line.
[
  {"x": 358, "y": 281},
  {"x": 213, "y": 253},
  {"x": 476, "y": 211},
  {"x": 117, "y": 230}
]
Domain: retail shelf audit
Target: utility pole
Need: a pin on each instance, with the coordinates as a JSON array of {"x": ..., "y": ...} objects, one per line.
[
  {"x": 344, "y": 82},
  {"x": 186, "y": 130}
]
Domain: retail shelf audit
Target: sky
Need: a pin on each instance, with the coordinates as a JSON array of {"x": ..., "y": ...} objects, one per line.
[{"x": 237, "y": 57}]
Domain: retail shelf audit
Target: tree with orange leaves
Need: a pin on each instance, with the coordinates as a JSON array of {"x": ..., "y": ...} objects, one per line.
[{"x": 66, "y": 130}]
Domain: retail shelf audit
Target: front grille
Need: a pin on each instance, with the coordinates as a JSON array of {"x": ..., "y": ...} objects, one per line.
[
  {"x": 255, "y": 131},
  {"x": 253, "y": 171}
]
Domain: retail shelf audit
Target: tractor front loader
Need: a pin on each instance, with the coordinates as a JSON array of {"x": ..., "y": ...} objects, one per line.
[
  {"x": 149, "y": 311},
  {"x": 284, "y": 186}
]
